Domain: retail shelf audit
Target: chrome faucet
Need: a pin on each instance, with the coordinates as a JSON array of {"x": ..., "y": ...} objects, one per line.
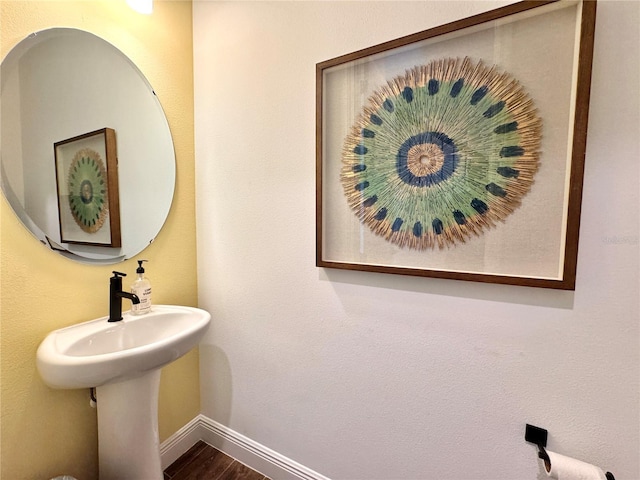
[{"x": 116, "y": 294}]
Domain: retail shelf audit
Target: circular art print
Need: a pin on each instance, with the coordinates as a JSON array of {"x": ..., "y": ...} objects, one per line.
[
  {"x": 88, "y": 190},
  {"x": 441, "y": 154}
]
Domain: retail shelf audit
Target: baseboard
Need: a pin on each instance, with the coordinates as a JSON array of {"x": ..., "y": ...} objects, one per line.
[
  {"x": 251, "y": 453},
  {"x": 181, "y": 441}
]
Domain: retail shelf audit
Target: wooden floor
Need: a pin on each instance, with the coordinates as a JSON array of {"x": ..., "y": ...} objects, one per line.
[{"x": 203, "y": 462}]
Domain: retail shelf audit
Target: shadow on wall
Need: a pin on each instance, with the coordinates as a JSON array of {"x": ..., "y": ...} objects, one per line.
[
  {"x": 217, "y": 393},
  {"x": 543, "y": 297}
]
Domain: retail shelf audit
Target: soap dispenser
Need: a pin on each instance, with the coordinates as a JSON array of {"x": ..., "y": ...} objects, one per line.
[{"x": 142, "y": 288}]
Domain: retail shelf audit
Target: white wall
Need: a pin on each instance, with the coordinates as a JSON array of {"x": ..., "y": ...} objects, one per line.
[{"x": 370, "y": 376}]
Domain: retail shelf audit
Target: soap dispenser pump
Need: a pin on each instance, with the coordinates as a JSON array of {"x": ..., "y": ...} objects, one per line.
[{"x": 142, "y": 288}]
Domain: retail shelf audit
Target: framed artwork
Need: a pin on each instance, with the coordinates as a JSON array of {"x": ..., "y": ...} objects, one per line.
[
  {"x": 458, "y": 152},
  {"x": 87, "y": 187}
]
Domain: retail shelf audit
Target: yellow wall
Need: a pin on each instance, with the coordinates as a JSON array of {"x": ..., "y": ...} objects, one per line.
[{"x": 46, "y": 432}]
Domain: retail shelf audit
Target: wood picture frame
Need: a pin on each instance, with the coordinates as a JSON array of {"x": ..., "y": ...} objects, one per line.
[
  {"x": 458, "y": 152},
  {"x": 87, "y": 189}
]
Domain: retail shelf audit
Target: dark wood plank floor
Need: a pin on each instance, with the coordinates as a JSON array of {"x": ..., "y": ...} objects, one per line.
[{"x": 203, "y": 462}]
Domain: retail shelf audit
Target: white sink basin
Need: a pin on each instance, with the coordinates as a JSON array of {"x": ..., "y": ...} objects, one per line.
[{"x": 98, "y": 352}]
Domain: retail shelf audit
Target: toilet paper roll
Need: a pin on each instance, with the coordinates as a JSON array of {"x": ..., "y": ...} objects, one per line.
[{"x": 567, "y": 468}]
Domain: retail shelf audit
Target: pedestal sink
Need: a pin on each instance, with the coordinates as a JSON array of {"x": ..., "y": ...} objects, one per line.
[{"x": 123, "y": 361}]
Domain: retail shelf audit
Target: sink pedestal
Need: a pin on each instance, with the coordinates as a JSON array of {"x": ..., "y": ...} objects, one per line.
[
  {"x": 128, "y": 443},
  {"x": 123, "y": 359}
]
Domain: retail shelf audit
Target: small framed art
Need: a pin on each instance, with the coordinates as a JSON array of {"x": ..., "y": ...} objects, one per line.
[{"x": 87, "y": 187}]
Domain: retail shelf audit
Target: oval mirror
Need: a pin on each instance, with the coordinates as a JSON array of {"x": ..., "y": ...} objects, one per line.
[{"x": 87, "y": 159}]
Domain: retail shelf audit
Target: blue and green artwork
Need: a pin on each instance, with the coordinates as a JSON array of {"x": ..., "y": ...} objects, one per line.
[
  {"x": 88, "y": 196},
  {"x": 440, "y": 154}
]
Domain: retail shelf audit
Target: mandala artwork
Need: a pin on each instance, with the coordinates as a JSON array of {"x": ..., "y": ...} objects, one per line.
[
  {"x": 88, "y": 190},
  {"x": 441, "y": 154}
]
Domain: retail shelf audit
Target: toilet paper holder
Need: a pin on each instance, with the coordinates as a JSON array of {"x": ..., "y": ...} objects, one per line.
[{"x": 538, "y": 436}]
